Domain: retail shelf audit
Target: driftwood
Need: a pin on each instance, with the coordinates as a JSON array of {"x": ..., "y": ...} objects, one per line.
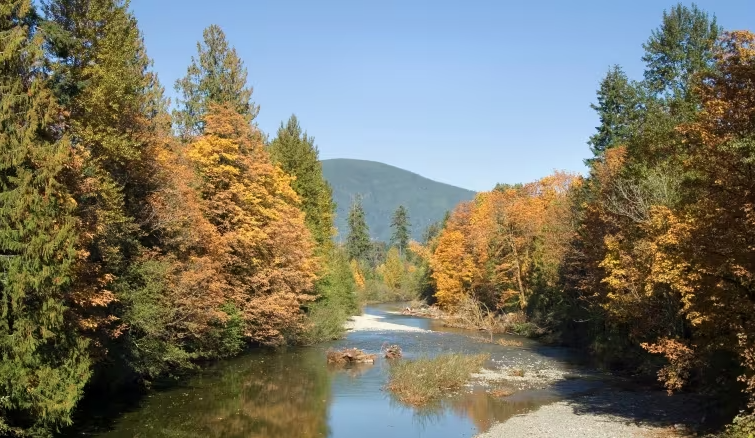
[
  {"x": 350, "y": 355},
  {"x": 391, "y": 351}
]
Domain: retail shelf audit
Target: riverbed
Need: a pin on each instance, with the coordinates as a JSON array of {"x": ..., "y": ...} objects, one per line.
[{"x": 294, "y": 393}]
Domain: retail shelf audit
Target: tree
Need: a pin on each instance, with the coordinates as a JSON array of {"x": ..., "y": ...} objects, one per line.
[
  {"x": 114, "y": 113},
  {"x": 217, "y": 76},
  {"x": 45, "y": 364},
  {"x": 431, "y": 232},
  {"x": 400, "y": 225},
  {"x": 297, "y": 155},
  {"x": 616, "y": 108},
  {"x": 269, "y": 266},
  {"x": 681, "y": 48},
  {"x": 393, "y": 270},
  {"x": 358, "y": 240}
]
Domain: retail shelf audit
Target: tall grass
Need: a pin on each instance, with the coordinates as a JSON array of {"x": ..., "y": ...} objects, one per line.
[{"x": 420, "y": 381}]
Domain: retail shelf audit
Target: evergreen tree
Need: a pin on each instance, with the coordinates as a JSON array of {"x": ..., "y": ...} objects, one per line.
[
  {"x": 358, "y": 240},
  {"x": 218, "y": 76},
  {"x": 617, "y": 108},
  {"x": 44, "y": 364},
  {"x": 680, "y": 49},
  {"x": 431, "y": 232},
  {"x": 295, "y": 152},
  {"x": 400, "y": 224}
]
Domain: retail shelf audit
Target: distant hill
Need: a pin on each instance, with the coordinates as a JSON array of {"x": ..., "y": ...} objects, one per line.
[{"x": 383, "y": 188}]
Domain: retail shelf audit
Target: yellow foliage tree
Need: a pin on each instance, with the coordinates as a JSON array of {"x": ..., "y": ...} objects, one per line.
[
  {"x": 393, "y": 270},
  {"x": 357, "y": 273}
]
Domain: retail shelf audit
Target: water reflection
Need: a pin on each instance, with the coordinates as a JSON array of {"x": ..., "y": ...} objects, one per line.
[
  {"x": 295, "y": 393},
  {"x": 261, "y": 395}
]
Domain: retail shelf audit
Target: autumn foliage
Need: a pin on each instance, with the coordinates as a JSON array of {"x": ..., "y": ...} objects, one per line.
[
  {"x": 498, "y": 246},
  {"x": 267, "y": 263}
]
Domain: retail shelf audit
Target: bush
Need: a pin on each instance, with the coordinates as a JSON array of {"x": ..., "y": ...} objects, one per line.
[
  {"x": 337, "y": 301},
  {"x": 326, "y": 323},
  {"x": 743, "y": 426},
  {"x": 423, "y": 380}
]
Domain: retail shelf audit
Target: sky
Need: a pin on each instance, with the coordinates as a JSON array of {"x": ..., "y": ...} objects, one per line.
[{"x": 466, "y": 92}]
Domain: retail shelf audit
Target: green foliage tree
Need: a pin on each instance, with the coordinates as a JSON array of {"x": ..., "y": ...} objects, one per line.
[
  {"x": 680, "y": 49},
  {"x": 218, "y": 76},
  {"x": 616, "y": 108},
  {"x": 295, "y": 152},
  {"x": 400, "y": 224},
  {"x": 44, "y": 364},
  {"x": 431, "y": 232},
  {"x": 358, "y": 240}
]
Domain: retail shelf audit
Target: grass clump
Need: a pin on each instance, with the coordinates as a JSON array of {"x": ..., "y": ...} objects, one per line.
[
  {"x": 508, "y": 343},
  {"x": 501, "y": 392},
  {"x": 420, "y": 381}
]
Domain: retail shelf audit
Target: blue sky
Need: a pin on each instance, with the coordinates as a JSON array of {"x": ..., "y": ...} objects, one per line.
[{"x": 465, "y": 92}]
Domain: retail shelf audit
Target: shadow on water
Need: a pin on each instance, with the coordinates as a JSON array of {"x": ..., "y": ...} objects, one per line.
[{"x": 294, "y": 393}]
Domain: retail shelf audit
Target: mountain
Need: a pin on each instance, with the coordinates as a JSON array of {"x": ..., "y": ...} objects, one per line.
[{"x": 383, "y": 188}]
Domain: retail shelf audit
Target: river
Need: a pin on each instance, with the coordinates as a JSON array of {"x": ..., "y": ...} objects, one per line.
[{"x": 294, "y": 393}]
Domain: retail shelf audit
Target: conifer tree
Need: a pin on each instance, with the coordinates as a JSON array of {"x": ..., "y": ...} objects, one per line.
[
  {"x": 616, "y": 108},
  {"x": 400, "y": 225},
  {"x": 679, "y": 50},
  {"x": 44, "y": 364},
  {"x": 295, "y": 152},
  {"x": 217, "y": 76},
  {"x": 358, "y": 240}
]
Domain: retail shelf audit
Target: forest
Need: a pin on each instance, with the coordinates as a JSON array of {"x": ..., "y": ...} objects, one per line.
[{"x": 141, "y": 238}]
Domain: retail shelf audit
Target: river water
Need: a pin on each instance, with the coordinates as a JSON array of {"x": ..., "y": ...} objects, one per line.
[{"x": 294, "y": 393}]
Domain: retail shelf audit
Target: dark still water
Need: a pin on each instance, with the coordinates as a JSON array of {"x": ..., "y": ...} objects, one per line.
[{"x": 294, "y": 393}]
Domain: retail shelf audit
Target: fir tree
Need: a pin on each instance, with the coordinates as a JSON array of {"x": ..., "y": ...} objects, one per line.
[
  {"x": 217, "y": 76},
  {"x": 679, "y": 50},
  {"x": 358, "y": 240},
  {"x": 616, "y": 108},
  {"x": 295, "y": 152},
  {"x": 44, "y": 364},
  {"x": 400, "y": 224}
]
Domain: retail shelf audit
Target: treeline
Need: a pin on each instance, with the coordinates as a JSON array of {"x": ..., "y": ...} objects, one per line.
[
  {"x": 384, "y": 271},
  {"x": 135, "y": 242},
  {"x": 649, "y": 260}
]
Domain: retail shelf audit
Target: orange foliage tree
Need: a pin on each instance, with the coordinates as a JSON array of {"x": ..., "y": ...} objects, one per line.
[
  {"x": 495, "y": 247},
  {"x": 708, "y": 250},
  {"x": 267, "y": 260}
]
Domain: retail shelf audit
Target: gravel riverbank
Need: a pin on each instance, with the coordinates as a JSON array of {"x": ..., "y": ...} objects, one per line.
[
  {"x": 605, "y": 415},
  {"x": 373, "y": 323}
]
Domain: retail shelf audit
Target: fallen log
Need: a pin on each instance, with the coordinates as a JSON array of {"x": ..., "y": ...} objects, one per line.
[{"x": 350, "y": 355}]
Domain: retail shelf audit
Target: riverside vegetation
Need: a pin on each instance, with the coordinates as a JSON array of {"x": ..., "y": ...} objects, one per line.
[{"x": 136, "y": 243}]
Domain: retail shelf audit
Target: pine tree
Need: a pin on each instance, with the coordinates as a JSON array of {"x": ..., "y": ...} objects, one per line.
[
  {"x": 617, "y": 108},
  {"x": 358, "y": 240},
  {"x": 44, "y": 365},
  {"x": 400, "y": 224},
  {"x": 295, "y": 152},
  {"x": 217, "y": 76}
]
